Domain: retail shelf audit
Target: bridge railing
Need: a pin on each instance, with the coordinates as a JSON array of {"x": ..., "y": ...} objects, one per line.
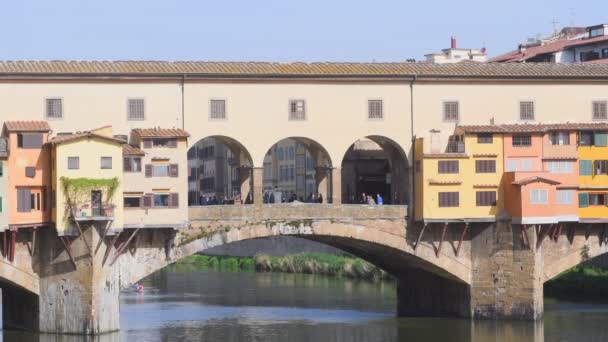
[{"x": 297, "y": 211}]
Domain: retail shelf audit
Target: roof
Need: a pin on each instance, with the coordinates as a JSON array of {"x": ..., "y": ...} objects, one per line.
[
  {"x": 27, "y": 126},
  {"x": 161, "y": 132},
  {"x": 56, "y": 69},
  {"x": 525, "y": 181},
  {"x": 77, "y": 136},
  {"x": 534, "y": 51},
  {"x": 130, "y": 150},
  {"x": 533, "y": 128}
]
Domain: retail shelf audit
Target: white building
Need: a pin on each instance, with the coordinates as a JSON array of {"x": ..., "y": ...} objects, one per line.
[{"x": 455, "y": 54}]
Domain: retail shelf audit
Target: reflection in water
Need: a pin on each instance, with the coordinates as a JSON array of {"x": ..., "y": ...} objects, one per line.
[{"x": 189, "y": 306}]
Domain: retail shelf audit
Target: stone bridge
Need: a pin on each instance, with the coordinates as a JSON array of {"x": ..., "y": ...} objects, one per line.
[{"x": 474, "y": 270}]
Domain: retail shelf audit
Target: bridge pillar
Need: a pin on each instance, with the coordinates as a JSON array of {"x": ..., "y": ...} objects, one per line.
[
  {"x": 258, "y": 185},
  {"x": 321, "y": 176},
  {"x": 336, "y": 185},
  {"x": 245, "y": 181},
  {"x": 506, "y": 280}
]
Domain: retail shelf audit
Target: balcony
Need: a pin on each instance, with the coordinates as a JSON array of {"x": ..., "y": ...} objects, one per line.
[
  {"x": 3, "y": 147},
  {"x": 455, "y": 147},
  {"x": 85, "y": 212}
]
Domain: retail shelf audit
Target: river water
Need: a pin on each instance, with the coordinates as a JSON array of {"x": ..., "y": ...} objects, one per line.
[{"x": 183, "y": 304}]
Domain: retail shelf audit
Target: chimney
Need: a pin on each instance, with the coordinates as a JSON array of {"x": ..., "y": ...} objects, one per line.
[{"x": 453, "y": 40}]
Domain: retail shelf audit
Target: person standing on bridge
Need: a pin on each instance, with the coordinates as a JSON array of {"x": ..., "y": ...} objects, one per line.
[
  {"x": 364, "y": 199},
  {"x": 370, "y": 200},
  {"x": 320, "y": 198},
  {"x": 379, "y": 199}
]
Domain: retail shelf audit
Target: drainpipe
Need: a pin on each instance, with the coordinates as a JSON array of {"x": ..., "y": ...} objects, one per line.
[
  {"x": 182, "y": 91},
  {"x": 412, "y": 206}
]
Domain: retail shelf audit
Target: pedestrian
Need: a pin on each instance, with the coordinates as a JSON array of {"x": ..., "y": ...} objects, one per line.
[
  {"x": 379, "y": 199},
  {"x": 364, "y": 199},
  {"x": 320, "y": 198},
  {"x": 370, "y": 200}
]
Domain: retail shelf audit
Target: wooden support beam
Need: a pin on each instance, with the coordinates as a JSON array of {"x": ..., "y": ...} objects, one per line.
[
  {"x": 542, "y": 234},
  {"x": 587, "y": 231},
  {"x": 524, "y": 235},
  {"x": 445, "y": 227},
  {"x": 107, "y": 253},
  {"x": 557, "y": 231},
  {"x": 5, "y": 244},
  {"x": 464, "y": 232},
  {"x": 103, "y": 236},
  {"x": 603, "y": 235},
  {"x": 86, "y": 243},
  {"x": 13, "y": 241},
  {"x": 34, "y": 230},
  {"x": 67, "y": 244},
  {"x": 122, "y": 247},
  {"x": 419, "y": 236}
]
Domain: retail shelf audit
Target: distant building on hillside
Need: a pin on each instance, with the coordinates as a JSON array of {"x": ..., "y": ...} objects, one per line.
[
  {"x": 570, "y": 45},
  {"x": 455, "y": 54}
]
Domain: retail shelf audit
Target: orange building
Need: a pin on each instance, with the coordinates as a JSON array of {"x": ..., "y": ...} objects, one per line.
[{"x": 29, "y": 169}]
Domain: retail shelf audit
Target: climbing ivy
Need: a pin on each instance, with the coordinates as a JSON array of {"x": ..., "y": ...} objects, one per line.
[{"x": 78, "y": 190}]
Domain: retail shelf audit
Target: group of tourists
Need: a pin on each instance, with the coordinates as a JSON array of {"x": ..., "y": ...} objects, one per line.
[
  {"x": 369, "y": 199},
  {"x": 269, "y": 197}
]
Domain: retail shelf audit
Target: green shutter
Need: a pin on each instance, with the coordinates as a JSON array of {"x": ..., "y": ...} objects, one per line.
[
  {"x": 585, "y": 167},
  {"x": 599, "y": 139},
  {"x": 583, "y": 200},
  {"x": 0, "y": 204}
]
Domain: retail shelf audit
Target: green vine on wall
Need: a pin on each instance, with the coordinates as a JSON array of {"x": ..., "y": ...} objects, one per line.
[{"x": 78, "y": 190}]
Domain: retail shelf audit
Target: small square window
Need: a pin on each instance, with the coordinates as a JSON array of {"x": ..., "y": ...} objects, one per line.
[
  {"x": 451, "y": 111},
  {"x": 297, "y": 110},
  {"x": 106, "y": 162},
  {"x": 30, "y": 172},
  {"x": 374, "y": 108},
  {"x": 136, "y": 109},
  {"x": 526, "y": 110},
  {"x": 73, "y": 163},
  {"x": 218, "y": 109},
  {"x": 600, "y": 110},
  {"x": 54, "y": 108},
  {"x": 485, "y": 138}
]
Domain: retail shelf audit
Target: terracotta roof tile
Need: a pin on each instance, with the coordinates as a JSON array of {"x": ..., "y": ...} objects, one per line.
[
  {"x": 534, "y": 51},
  {"x": 532, "y": 128},
  {"x": 161, "y": 133},
  {"x": 130, "y": 150},
  {"x": 444, "y": 182},
  {"x": 298, "y": 69},
  {"x": 83, "y": 135},
  {"x": 27, "y": 126},
  {"x": 525, "y": 181}
]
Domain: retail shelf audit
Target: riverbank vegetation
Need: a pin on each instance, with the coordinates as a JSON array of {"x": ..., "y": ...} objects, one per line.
[
  {"x": 579, "y": 282},
  {"x": 308, "y": 263}
]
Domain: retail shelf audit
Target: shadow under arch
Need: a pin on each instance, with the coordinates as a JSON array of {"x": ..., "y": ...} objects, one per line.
[
  {"x": 297, "y": 168},
  {"x": 220, "y": 169},
  {"x": 375, "y": 164}
]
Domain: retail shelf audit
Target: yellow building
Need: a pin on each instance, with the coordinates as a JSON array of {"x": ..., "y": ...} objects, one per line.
[
  {"x": 87, "y": 180},
  {"x": 593, "y": 176},
  {"x": 463, "y": 182}
]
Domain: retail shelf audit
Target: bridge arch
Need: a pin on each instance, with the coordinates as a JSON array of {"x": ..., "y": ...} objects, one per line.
[
  {"x": 220, "y": 169},
  {"x": 296, "y": 168},
  {"x": 375, "y": 164}
]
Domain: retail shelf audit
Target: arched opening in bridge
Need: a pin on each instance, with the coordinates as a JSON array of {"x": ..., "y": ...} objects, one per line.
[
  {"x": 373, "y": 166},
  {"x": 219, "y": 172},
  {"x": 297, "y": 169},
  {"x": 20, "y": 307}
]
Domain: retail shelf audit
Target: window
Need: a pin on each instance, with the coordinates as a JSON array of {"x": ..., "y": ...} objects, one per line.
[
  {"x": 560, "y": 166},
  {"x": 106, "y": 162},
  {"x": 526, "y": 165},
  {"x": 526, "y": 110},
  {"x": 29, "y": 140},
  {"x": 451, "y": 111},
  {"x": 132, "y": 164},
  {"x": 585, "y": 138},
  {"x": 1, "y": 169},
  {"x": 484, "y": 138},
  {"x": 218, "y": 109},
  {"x": 597, "y": 199},
  {"x": 161, "y": 170},
  {"x": 54, "y": 108},
  {"x": 559, "y": 138},
  {"x": 30, "y": 171},
  {"x": 600, "y": 167},
  {"x": 605, "y": 53},
  {"x": 374, "y": 109},
  {"x": 24, "y": 203},
  {"x": 448, "y": 166},
  {"x": 539, "y": 196},
  {"x": 172, "y": 142},
  {"x": 512, "y": 165},
  {"x": 73, "y": 163},
  {"x": 485, "y": 198},
  {"x": 449, "y": 199},
  {"x": 585, "y": 168},
  {"x": 297, "y": 110},
  {"x": 485, "y": 166},
  {"x": 600, "y": 139},
  {"x": 132, "y": 202},
  {"x": 161, "y": 200},
  {"x": 136, "y": 109},
  {"x": 565, "y": 197},
  {"x": 600, "y": 110},
  {"x": 522, "y": 140}
]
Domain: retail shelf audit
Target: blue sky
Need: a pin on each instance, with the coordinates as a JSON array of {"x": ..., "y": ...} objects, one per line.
[{"x": 274, "y": 30}]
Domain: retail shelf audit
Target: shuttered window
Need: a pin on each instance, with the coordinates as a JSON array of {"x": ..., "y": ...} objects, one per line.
[
  {"x": 29, "y": 140},
  {"x": 54, "y": 108},
  {"x": 597, "y": 199},
  {"x": 147, "y": 201},
  {"x": 132, "y": 164},
  {"x": 136, "y": 109},
  {"x": 600, "y": 110},
  {"x": 539, "y": 196},
  {"x": 297, "y": 110},
  {"x": 30, "y": 172},
  {"x": 218, "y": 109},
  {"x": 583, "y": 200},
  {"x": 526, "y": 110},
  {"x": 560, "y": 166},
  {"x": 24, "y": 203},
  {"x": 374, "y": 109},
  {"x": 73, "y": 163},
  {"x": 449, "y": 199},
  {"x": 600, "y": 139},
  {"x": 451, "y": 111},
  {"x": 106, "y": 162},
  {"x": 162, "y": 170},
  {"x": 485, "y": 198},
  {"x": 485, "y": 138},
  {"x": 448, "y": 166},
  {"x": 485, "y": 166},
  {"x": 585, "y": 168}
]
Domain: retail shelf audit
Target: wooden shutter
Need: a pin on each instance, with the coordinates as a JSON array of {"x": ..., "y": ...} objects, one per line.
[
  {"x": 173, "y": 170},
  {"x": 141, "y": 201},
  {"x": 584, "y": 167},
  {"x": 583, "y": 200},
  {"x": 172, "y": 143},
  {"x": 148, "y": 170},
  {"x": 147, "y": 143},
  {"x": 174, "y": 200},
  {"x": 24, "y": 200},
  {"x": 126, "y": 162},
  {"x": 599, "y": 139},
  {"x": 147, "y": 201}
]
